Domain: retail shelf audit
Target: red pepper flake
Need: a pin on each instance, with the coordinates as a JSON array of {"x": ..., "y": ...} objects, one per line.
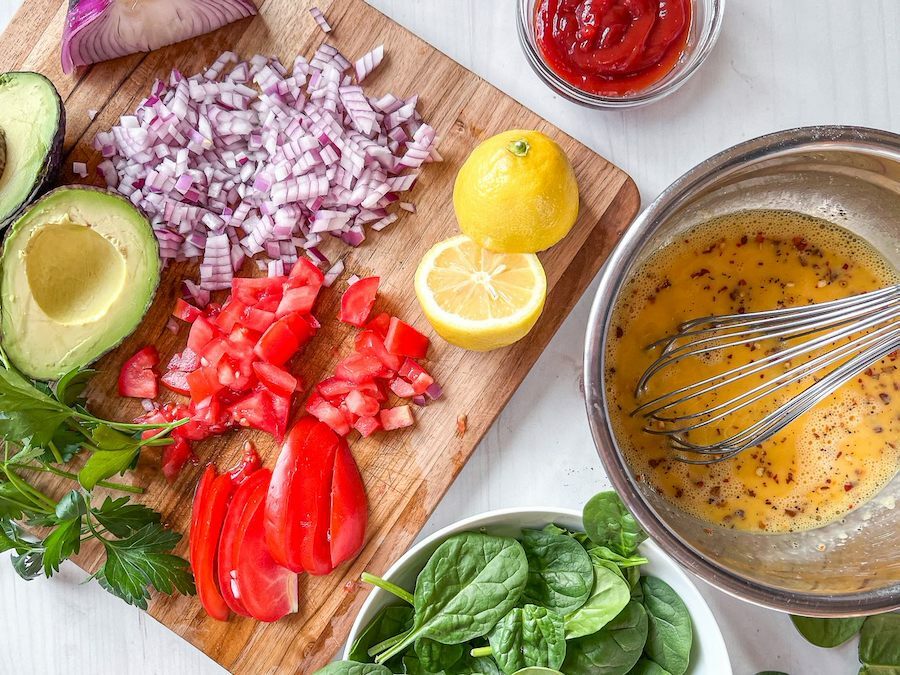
[
  {"x": 743, "y": 240},
  {"x": 760, "y": 237},
  {"x": 790, "y": 512},
  {"x": 462, "y": 423},
  {"x": 845, "y": 266},
  {"x": 848, "y": 487},
  {"x": 679, "y": 493},
  {"x": 885, "y": 398},
  {"x": 800, "y": 243},
  {"x": 699, "y": 273},
  {"x": 665, "y": 284},
  {"x": 742, "y": 282},
  {"x": 655, "y": 462},
  {"x": 619, "y": 332}
]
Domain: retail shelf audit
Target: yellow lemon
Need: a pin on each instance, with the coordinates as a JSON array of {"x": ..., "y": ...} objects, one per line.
[
  {"x": 516, "y": 193},
  {"x": 478, "y": 299}
]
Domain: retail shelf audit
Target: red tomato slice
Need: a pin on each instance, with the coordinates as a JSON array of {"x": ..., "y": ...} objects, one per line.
[
  {"x": 230, "y": 314},
  {"x": 404, "y": 340},
  {"x": 349, "y": 508},
  {"x": 278, "y": 344},
  {"x": 299, "y": 299},
  {"x": 250, "y": 290},
  {"x": 361, "y": 405},
  {"x": 185, "y": 311},
  {"x": 359, "y": 368},
  {"x": 202, "y": 331},
  {"x": 256, "y": 319},
  {"x": 304, "y": 273},
  {"x": 367, "y": 426},
  {"x": 396, "y": 418},
  {"x": 176, "y": 380},
  {"x": 137, "y": 379},
  {"x": 207, "y": 515},
  {"x": 325, "y": 412},
  {"x": 275, "y": 379},
  {"x": 226, "y": 563},
  {"x": 380, "y": 324},
  {"x": 358, "y": 301},
  {"x": 175, "y": 456},
  {"x": 369, "y": 342}
]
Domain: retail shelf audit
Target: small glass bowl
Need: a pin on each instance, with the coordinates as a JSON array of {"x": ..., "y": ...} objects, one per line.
[{"x": 706, "y": 23}]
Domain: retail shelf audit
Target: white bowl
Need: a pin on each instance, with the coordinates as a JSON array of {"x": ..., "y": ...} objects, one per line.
[{"x": 708, "y": 654}]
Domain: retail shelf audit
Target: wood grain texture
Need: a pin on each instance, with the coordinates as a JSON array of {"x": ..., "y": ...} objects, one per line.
[{"x": 406, "y": 473}]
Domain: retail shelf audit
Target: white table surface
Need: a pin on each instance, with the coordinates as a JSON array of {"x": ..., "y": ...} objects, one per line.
[{"x": 778, "y": 64}]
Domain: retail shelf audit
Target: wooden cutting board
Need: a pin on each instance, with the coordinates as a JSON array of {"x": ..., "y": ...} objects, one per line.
[{"x": 407, "y": 472}]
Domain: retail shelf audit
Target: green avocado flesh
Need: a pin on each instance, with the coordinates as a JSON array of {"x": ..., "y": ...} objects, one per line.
[
  {"x": 33, "y": 124},
  {"x": 78, "y": 271}
]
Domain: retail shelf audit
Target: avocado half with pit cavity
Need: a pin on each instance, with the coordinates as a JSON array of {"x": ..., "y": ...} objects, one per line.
[
  {"x": 78, "y": 271},
  {"x": 33, "y": 125}
]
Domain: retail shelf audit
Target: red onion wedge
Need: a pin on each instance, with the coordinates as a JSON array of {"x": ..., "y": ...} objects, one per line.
[
  {"x": 98, "y": 30},
  {"x": 252, "y": 159}
]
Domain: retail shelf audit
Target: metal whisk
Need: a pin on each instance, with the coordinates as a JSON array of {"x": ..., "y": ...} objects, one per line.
[{"x": 851, "y": 334}]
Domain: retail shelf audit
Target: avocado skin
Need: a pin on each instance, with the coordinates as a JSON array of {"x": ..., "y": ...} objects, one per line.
[
  {"x": 150, "y": 241},
  {"x": 52, "y": 160}
]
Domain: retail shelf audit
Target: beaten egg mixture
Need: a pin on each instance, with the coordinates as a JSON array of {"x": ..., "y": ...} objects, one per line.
[{"x": 827, "y": 462}]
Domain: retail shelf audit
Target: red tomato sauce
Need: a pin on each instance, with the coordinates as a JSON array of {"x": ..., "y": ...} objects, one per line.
[{"x": 612, "y": 47}]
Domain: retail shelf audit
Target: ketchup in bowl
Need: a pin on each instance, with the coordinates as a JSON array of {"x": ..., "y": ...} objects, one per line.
[{"x": 612, "y": 47}]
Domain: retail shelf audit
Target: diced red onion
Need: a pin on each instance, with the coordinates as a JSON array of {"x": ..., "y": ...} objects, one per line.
[
  {"x": 172, "y": 325},
  {"x": 368, "y": 62},
  {"x": 332, "y": 274},
  {"x": 320, "y": 19},
  {"x": 434, "y": 391},
  {"x": 352, "y": 280},
  {"x": 419, "y": 401},
  {"x": 80, "y": 169},
  {"x": 147, "y": 405}
]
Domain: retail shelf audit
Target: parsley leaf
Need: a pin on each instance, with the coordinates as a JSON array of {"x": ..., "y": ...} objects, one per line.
[
  {"x": 63, "y": 541},
  {"x": 70, "y": 387},
  {"x": 116, "y": 454},
  {"x": 122, "y": 518},
  {"x": 140, "y": 560},
  {"x": 28, "y": 416}
]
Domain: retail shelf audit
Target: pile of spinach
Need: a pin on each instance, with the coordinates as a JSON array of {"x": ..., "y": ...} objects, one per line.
[
  {"x": 550, "y": 602},
  {"x": 879, "y": 639}
]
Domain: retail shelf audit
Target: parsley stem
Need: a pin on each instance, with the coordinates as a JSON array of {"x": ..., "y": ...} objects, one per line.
[
  {"x": 393, "y": 589},
  {"x": 39, "y": 499},
  {"x": 128, "y": 426},
  {"x": 108, "y": 484},
  {"x": 56, "y": 455}
]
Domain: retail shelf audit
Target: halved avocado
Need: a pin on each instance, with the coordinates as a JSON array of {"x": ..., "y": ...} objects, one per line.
[
  {"x": 33, "y": 122},
  {"x": 78, "y": 272}
]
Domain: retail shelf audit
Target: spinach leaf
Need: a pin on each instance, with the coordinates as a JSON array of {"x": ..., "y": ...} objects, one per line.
[
  {"x": 528, "y": 636},
  {"x": 879, "y": 644},
  {"x": 473, "y": 665},
  {"x": 827, "y": 632},
  {"x": 436, "y": 657},
  {"x": 605, "y": 553},
  {"x": 647, "y": 667},
  {"x": 560, "y": 573},
  {"x": 352, "y": 668},
  {"x": 537, "y": 671},
  {"x": 470, "y": 582},
  {"x": 670, "y": 633},
  {"x": 410, "y": 666},
  {"x": 608, "y": 523},
  {"x": 609, "y": 596},
  {"x": 614, "y": 649},
  {"x": 389, "y": 622}
]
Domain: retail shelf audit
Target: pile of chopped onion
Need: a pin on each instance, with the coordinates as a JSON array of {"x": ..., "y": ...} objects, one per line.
[{"x": 248, "y": 159}]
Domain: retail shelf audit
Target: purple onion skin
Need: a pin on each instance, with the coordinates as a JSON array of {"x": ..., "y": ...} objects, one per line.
[{"x": 90, "y": 32}]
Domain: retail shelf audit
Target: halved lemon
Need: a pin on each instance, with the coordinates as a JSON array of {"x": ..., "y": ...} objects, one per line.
[{"x": 477, "y": 299}]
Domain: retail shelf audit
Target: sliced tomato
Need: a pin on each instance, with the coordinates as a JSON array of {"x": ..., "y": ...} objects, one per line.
[
  {"x": 349, "y": 508},
  {"x": 358, "y": 301},
  {"x": 185, "y": 311},
  {"x": 278, "y": 344},
  {"x": 361, "y": 405},
  {"x": 248, "y": 463},
  {"x": 325, "y": 412},
  {"x": 257, "y": 319},
  {"x": 380, "y": 324},
  {"x": 230, "y": 314},
  {"x": 304, "y": 273},
  {"x": 359, "y": 368},
  {"x": 232, "y": 533},
  {"x": 396, "y": 418},
  {"x": 416, "y": 375},
  {"x": 404, "y": 340},
  {"x": 175, "y": 456},
  {"x": 275, "y": 379},
  {"x": 137, "y": 378},
  {"x": 367, "y": 426},
  {"x": 207, "y": 516},
  {"x": 176, "y": 380},
  {"x": 250, "y": 290},
  {"x": 300, "y": 299},
  {"x": 202, "y": 332},
  {"x": 369, "y": 342}
]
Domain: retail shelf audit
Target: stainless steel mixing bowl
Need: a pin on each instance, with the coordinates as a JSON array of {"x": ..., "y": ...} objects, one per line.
[{"x": 850, "y": 176}]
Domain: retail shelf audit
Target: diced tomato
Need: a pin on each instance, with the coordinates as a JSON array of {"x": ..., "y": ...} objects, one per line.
[
  {"x": 402, "y": 388},
  {"x": 213, "y": 352},
  {"x": 416, "y": 375},
  {"x": 203, "y": 384},
  {"x": 212, "y": 310},
  {"x": 334, "y": 387},
  {"x": 380, "y": 324},
  {"x": 396, "y": 418},
  {"x": 255, "y": 411},
  {"x": 404, "y": 340},
  {"x": 358, "y": 300},
  {"x": 304, "y": 326},
  {"x": 137, "y": 379},
  {"x": 361, "y": 405},
  {"x": 367, "y": 426},
  {"x": 304, "y": 273},
  {"x": 186, "y": 361},
  {"x": 250, "y": 290},
  {"x": 256, "y": 319},
  {"x": 202, "y": 332},
  {"x": 369, "y": 342},
  {"x": 275, "y": 379},
  {"x": 248, "y": 463},
  {"x": 234, "y": 374},
  {"x": 230, "y": 314},
  {"x": 176, "y": 380},
  {"x": 244, "y": 336},
  {"x": 268, "y": 303},
  {"x": 185, "y": 311},
  {"x": 300, "y": 299},
  {"x": 278, "y": 344},
  {"x": 325, "y": 412},
  {"x": 359, "y": 368},
  {"x": 175, "y": 456}
]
